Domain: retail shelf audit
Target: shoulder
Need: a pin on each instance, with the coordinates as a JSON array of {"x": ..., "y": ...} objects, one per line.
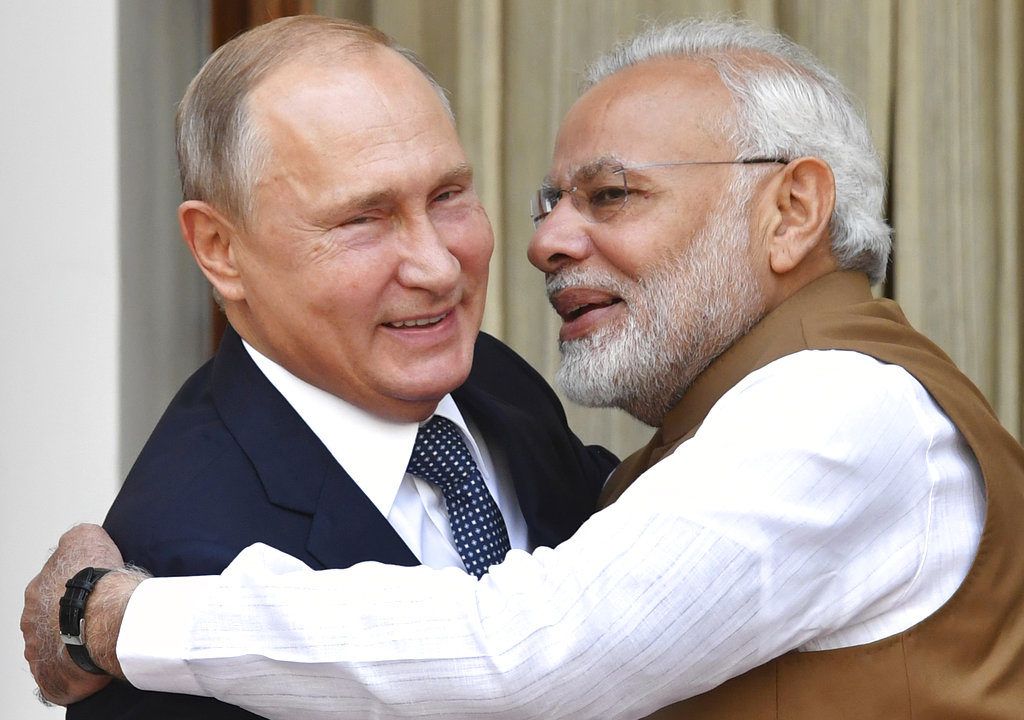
[
  {"x": 833, "y": 408},
  {"x": 183, "y": 505},
  {"x": 822, "y": 440},
  {"x": 492, "y": 354},
  {"x": 827, "y": 382},
  {"x": 189, "y": 434},
  {"x": 503, "y": 373},
  {"x": 191, "y": 516}
]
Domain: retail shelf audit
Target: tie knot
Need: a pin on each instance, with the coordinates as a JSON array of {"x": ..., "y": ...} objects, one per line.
[{"x": 440, "y": 454}]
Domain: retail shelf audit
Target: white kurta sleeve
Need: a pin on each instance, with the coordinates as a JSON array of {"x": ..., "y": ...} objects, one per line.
[{"x": 800, "y": 508}]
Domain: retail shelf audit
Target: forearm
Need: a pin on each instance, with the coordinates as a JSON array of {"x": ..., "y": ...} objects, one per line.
[
  {"x": 554, "y": 635},
  {"x": 104, "y": 612}
]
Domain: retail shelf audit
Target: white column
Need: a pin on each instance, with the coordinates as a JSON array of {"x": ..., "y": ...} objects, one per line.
[{"x": 97, "y": 315}]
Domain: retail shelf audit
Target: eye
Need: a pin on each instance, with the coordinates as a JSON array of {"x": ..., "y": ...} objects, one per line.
[
  {"x": 607, "y": 196},
  {"x": 447, "y": 195},
  {"x": 361, "y": 220}
]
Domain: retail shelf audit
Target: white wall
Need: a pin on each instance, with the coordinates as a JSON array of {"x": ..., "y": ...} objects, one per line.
[{"x": 99, "y": 314}]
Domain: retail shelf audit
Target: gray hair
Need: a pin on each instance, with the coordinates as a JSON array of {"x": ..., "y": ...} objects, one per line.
[
  {"x": 787, "y": 105},
  {"x": 221, "y": 153}
]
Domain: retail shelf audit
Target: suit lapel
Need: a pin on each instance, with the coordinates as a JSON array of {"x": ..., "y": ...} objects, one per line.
[
  {"x": 296, "y": 470},
  {"x": 535, "y": 467}
]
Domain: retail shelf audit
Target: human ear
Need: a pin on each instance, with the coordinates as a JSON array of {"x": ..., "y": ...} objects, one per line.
[
  {"x": 209, "y": 237},
  {"x": 804, "y": 200}
]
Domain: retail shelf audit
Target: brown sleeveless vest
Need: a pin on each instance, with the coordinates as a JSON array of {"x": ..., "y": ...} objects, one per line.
[{"x": 967, "y": 659}]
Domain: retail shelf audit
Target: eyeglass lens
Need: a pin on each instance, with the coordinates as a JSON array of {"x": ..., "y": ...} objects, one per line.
[
  {"x": 601, "y": 190},
  {"x": 596, "y": 194}
]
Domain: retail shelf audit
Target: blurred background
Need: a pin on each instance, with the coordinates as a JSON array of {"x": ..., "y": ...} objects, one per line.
[{"x": 103, "y": 314}]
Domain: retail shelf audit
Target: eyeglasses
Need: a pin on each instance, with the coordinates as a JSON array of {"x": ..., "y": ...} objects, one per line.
[{"x": 599, "y": 192}]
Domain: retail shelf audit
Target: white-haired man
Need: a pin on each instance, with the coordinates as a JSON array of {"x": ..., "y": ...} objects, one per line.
[{"x": 825, "y": 523}]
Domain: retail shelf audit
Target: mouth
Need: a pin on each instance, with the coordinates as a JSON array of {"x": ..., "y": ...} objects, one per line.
[
  {"x": 573, "y": 303},
  {"x": 413, "y": 323},
  {"x": 574, "y": 313},
  {"x": 585, "y": 311}
]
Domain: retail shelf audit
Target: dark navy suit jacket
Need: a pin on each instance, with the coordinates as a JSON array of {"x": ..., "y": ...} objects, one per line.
[{"x": 231, "y": 463}]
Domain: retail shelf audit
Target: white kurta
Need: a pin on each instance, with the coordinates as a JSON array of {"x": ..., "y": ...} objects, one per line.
[{"x": 825, "y": 501}]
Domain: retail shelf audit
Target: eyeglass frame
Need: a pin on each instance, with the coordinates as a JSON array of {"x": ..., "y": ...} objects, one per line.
[{"x": 540, "y": 207}]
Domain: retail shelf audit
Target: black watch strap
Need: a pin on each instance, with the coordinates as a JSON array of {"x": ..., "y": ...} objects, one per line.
[{"x": 72, "y": 617}]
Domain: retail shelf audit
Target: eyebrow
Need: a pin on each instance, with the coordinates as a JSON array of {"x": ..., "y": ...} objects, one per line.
[
  {"x": 587, "y": 171},
  {"x": 368, "y": 201},
  {"x": 462, "y": 172}
]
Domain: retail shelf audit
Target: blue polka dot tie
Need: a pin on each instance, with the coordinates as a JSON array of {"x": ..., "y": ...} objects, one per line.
[{"x": 440, "y": 456}]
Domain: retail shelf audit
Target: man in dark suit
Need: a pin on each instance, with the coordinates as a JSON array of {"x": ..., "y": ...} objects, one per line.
[{"x": 329, "y": 203}]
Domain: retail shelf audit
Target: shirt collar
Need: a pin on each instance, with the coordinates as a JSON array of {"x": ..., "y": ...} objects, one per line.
[{"x": 373, "y": 451}]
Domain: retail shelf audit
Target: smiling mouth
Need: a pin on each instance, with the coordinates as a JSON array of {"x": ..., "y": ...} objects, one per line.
[{"x": 418, "y": 323}]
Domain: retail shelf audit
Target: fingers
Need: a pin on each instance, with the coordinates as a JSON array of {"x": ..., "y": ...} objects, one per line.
[
  {"x": 60, "y": 681},
  {"x": 41, "y": 698}
]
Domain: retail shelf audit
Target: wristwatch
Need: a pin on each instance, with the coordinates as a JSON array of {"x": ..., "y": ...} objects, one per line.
[{"x": 72, "y": 617}]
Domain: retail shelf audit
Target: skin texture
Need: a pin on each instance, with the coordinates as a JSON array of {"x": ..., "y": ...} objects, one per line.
[
  {"x": 683, "y": 108},
  {"x": 366, "y": 217},
  {"x": 674, "y": 202},
  {"x": 60, "y": 680}
]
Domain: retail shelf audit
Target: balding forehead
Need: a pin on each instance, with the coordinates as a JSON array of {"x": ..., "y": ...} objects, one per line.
[
  {"x": 361, "y": 74},
  {"x": 661, "y": 109},
  {"x": 694, "y": 78},
  {"x": 309, "y": 63}
]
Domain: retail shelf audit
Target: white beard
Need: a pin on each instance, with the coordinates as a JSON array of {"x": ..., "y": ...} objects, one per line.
[{"x": 679, "y": 316}]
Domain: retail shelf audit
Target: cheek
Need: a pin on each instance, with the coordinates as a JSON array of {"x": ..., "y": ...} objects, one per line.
[
  {"x": 353, "y": 288},
  {"x": 472, "y": 244},
  {"x": 648, "y": 244},
  {"x": 478, "y": 262},
  {"x": 628, "y": 254}
]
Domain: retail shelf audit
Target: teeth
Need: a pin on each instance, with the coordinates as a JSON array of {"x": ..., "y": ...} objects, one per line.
[{"x": 418, "y": 323}]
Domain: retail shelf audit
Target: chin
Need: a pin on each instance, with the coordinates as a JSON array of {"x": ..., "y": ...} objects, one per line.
[{"x": 432, "y": 384}]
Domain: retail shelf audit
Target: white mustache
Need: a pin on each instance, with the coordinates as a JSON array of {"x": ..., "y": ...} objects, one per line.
[{"x": 593, "y": 279}]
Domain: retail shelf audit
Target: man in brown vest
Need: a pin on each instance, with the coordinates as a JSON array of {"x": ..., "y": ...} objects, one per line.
[{"x": 825, "y": 524}]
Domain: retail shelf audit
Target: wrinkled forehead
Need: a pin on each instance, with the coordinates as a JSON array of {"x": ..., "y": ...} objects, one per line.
[{"x": 663, "y": 109}]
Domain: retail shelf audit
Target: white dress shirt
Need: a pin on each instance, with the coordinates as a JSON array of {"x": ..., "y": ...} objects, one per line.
[
  {"x": 375, "y": 452},
  {"x": 825, "y": 501}
]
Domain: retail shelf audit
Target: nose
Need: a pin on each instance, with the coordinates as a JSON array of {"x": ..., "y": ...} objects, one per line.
[
  {"x": 561, "y": 239},
  {"x": 427, "y": 262}
]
